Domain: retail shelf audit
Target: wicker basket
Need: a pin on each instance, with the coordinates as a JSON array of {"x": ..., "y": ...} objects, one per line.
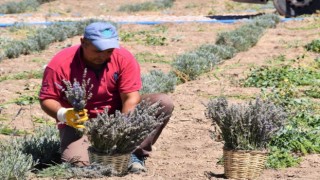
[
  {"x": 240, "y": 164},
  {"x": 118, "y": 162}
]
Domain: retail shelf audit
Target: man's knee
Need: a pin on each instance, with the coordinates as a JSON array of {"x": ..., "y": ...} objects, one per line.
[
  {"x": 165, "y": 101},
  {"x": 74, "y": 148}
]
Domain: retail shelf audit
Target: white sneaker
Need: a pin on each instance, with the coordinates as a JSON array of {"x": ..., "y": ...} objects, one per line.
[{"x": 136, "y": 164}]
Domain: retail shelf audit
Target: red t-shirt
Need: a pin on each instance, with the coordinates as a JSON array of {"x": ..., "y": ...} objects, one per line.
[{"x": 120, "y": 75}]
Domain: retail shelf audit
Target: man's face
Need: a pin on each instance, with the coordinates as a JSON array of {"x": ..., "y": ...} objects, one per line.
[{"x": 92, "y": 55}]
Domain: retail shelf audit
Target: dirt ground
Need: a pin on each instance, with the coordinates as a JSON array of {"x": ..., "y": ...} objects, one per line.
[{"x": 185, "y": 149}]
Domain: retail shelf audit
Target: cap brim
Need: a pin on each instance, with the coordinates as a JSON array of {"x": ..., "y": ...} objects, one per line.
[{"x": 104, "y": 44}]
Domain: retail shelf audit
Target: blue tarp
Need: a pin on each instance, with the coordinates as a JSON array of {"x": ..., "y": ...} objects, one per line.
[{"x": 224, "y": 21}]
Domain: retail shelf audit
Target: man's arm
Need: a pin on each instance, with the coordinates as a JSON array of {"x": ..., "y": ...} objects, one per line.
[
  {"x": 50, "y": 106},
  {"x": 129, "y": 101}
]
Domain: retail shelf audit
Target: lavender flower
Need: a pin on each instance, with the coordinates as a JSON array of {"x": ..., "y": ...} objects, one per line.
[
  {"x": 246, "y": 126},
  {"x": 78, "y": 94},
  {"x": 121, "y": 133}
]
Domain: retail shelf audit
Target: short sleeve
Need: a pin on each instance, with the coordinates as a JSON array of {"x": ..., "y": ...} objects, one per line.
[{"x": 51, "y": 87}]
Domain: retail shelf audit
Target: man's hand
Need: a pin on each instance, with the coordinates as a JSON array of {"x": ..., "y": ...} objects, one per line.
[{"x": 73, "y": 118}]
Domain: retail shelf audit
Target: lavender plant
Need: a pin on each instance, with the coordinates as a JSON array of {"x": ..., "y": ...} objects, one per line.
[
  {"x": 78, "y": 94},
  {"x": 21, "y": 155},
  {"x": 222, "y": 52},
  {"x": 157, "y": 81},
  {"x": 21, "y": 6},
  {"x": 193, "y": 65},
  {"x": 43, "y": 146},
  {"x": 246, "y": 126},
  {"x": 14, "y": 164},
  {"x": 120, "y": 133},
  {"x": 67, "y": 171}
]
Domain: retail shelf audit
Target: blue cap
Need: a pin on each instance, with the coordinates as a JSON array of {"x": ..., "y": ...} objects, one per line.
[{"x": 102, "y": 35}]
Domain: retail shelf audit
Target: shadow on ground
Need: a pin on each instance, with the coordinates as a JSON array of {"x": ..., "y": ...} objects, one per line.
[
  {"x": 210, "y": 175},
  {"x": 229, "y": 17}
]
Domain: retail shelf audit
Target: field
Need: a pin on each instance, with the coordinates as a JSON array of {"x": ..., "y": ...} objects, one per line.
[{"x": 185, "y": 149}]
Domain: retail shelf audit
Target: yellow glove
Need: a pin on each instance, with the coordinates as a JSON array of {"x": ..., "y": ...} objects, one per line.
[{"x": 73, "y": 118}]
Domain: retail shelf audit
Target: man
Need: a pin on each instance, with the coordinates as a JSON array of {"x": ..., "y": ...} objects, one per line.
[{"x": 115, "y": 75}]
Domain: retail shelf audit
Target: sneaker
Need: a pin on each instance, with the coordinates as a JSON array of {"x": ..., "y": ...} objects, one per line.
[{"x": 136, "y": 164}]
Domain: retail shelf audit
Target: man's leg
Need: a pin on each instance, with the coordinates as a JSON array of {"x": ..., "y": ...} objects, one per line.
[
  {"x": 145, "y": 147},
  {"x": 74, "y": 147}
]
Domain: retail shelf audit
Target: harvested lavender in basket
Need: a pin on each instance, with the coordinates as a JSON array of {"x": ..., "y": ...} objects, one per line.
[
  {"x": 120, "y": 133},
  {"x": 78, "y": 94},
  {"x": 246, "y": 126}
]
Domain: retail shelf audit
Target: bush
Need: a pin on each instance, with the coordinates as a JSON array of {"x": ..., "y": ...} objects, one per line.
[
  {"x": 20, "y": 155},
  {"x": 190, "y": 65},
  {"x": 67, "y": 171},
  {"x": 218, "y": 52},
  {"x": 248, "y": 35},
  {"x": 267, "y": 20},
  {"x": 242, "y": 38},
  {"x": 22, "y": 6},
  {"x": 147, "y": 6},
  {"x": 43, "y": 38},
  {"x": 281, "y": 158},
  {"x": 314, "y": 46},
  {"x": 43, "y": 146},
  {"x": 14, "y": 164},
  {"x": 158, "y": 82},
  {"x": 276, "y": 76}
]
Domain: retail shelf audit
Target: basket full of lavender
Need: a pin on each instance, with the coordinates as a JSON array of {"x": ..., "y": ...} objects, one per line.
[
  {"x": 246, "y": 130},
  {"x": 113, "y": 137}
]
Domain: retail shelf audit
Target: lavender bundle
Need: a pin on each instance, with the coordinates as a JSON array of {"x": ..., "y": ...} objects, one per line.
[
  {"x": 78, "y": 94},
  {"x": 121, "y": 133},
  {"x": 246, "y": 126}
]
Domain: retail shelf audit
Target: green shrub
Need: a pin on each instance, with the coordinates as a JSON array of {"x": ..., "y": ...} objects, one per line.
[
  {"x": 314, "y": 46},
  {"x": 43, "y": 146},
  {"x": 191, "y": 65},
  {"x": 13, "y": 50},
  {"x": 67, "y": 171},
  {"x": 298, "y": 140},
  {"x": 155, "y": 40},
  {"x": 221, "y": 51},
  {"x": 267, "y": 20},
  {"x": 57, "y": 171},
  {"x": 242, "y": 38},
  {"x": 275, "y": 76},
  {"x": 247, "y": 35},
  {"x": 14, "y": 164},
  {"x": 43, "y": 37},
  {"x": 21, "y": 7},
  {"x": 281, "y": 158},
  {"x": 158, "y": 82},
  {"x": 301, "y": 134},
  {"x": 60, "y": 32},
  {"x": 147, "y": 6},
  {"x": 313, "y": 92}
]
